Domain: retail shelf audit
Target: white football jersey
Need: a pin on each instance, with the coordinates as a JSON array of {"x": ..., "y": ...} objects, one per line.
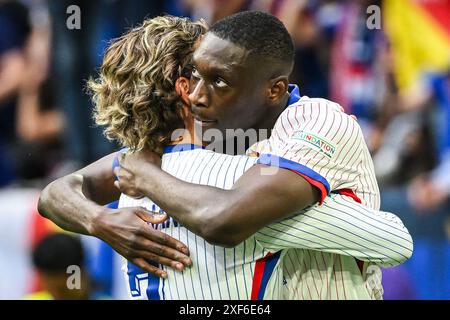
[{"x": 252, "y": 270}]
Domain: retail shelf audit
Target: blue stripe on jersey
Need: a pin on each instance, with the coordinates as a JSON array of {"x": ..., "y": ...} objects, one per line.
[
  {"x": 271, "y": 262},
  {"x": 153, "y": 286},
  {"x": 116, "y": 159},
  {"x": 113, "y": 205},
  {"x": 181, "y": 147},
  {"x": 272, "y": 160},
  {"x": 294, "y": 94}
]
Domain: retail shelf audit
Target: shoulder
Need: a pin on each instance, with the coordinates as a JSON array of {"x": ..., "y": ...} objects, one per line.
[
  {"x": 313, "y": 107},
  {"x": 316, "y": 115}
]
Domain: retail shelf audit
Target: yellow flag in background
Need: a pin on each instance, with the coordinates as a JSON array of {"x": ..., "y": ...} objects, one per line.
[{"x": 419, "y": 32}]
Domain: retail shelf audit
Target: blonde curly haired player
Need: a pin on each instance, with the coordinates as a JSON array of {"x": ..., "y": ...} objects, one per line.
[{"x": 134, "y": 95}]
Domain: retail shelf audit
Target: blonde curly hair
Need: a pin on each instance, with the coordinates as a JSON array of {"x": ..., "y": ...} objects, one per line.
[{"x": 134, "y": 95}]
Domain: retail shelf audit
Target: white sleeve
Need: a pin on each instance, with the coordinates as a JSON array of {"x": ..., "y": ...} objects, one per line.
[
  {"x": 317, "y": 140},
  {"x": 345, "y": 227}
]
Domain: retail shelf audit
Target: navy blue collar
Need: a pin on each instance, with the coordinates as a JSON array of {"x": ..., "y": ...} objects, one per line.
[
  {"x": 294, "y": 94},
  {"x": 181, "y": 147}
]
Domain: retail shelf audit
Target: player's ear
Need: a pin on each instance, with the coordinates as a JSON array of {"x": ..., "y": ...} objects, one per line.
[
  {"x": 278, "y": 87},
  {"x": 182, "y": 88}
]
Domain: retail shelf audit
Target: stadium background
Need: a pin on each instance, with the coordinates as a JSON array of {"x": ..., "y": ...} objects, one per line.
[{"x": 395, "y": 79}]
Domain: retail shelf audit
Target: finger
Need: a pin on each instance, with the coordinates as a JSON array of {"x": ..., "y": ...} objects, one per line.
[
  {"x": 159, "y": 217},
  {"x": 164, "y": 251},
  {"x": 141, "y": 263},
  {"x": 150, "y": 217},
  {"x": 117, "y": 184},
  {"x": 161, "y": 260},
  {"x": 165, "y": 240}
]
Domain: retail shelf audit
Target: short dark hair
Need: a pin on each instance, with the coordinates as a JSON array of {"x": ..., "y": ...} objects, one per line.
[
  {"x": 57, "y": 251},
  {"x": 261, "y": 33}
]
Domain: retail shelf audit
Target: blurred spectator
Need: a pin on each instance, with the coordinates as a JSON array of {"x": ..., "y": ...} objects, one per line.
[
  {"x": 39, "y": 122},
  {"x": 357, "y": 75},
  {"x": 14, "y": 32},
  {"x": 77, "y": 52},
  {"x": 213, "y": 10},
  {"x": 420, "y": 40},
  {"x": 406, "y": 149},
  {"x": 308, "y": 28},
  {"x": 312, "y": 43},
  {"x": 52, "y": 257},
  {"x": 432, "y": 190},
  {"x": 31, "y": 124},
  {"x": 71, "y": 63}
]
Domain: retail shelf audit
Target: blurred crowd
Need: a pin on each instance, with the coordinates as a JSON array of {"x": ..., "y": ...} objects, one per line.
[{"x": 395, "y": 79}]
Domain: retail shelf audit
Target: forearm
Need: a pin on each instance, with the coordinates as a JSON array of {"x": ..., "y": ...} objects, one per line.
[
  {"x": 64, "y": 203},
  {"x": 74, "y": 201},
  {"x": 228, "y": 217},
  {"x": 33, "y": 124}
]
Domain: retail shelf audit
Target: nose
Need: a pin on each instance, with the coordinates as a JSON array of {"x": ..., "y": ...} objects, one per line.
[{"x": 199, "y": 94}]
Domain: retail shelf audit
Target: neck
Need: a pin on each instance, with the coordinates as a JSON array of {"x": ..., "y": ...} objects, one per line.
[
  {"x": 188, "y": 134},
  {"x": 271, "y": 117}
]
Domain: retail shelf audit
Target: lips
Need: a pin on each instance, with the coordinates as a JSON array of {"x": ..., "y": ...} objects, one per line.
[{"x": 203, "y": 120}]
